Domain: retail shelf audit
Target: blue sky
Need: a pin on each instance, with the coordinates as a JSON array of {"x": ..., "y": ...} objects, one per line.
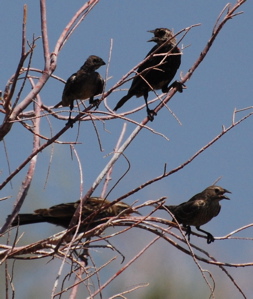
[{"x": 222, "y": 83}]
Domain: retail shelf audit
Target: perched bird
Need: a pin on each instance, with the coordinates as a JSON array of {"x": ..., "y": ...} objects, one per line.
[
  {"x": 158, "y": 71},
  {"x": 62, "y": 214},
  {"x": 84, "y": 84},
  {"x": 199, "y": 210}
]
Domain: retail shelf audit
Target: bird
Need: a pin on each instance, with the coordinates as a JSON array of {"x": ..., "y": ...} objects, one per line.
[
  {"x": 96, "y": 208},
  {"x": 199, "y": 210},
  {"x": 158, "y": 71},
  {"x": 84, "y": 84}
]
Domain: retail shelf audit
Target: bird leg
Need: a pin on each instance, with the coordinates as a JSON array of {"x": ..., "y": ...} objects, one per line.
[
  {"x": 151, "y": 113},
  {"x": 178, "y": 85},
  {"x": 209, "y": 237},
  {"x": 188, "y": 231},
  {"x": 84, "y": 255},
  {"x": 70, "y": 120}
]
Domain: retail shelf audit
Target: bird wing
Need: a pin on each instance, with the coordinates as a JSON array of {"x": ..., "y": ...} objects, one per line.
[
  {"x": 68, "y": 209},
  {"x": 197, "y": 196},
  {"x": 58, "y": 211},
  {"x": 188, "y": 211},
  {"x": 82, "y": 85},
  {"x": 157, "y": 75},
  {"x": 150, "y": 62},
  {"x": 67, "y": 95}
]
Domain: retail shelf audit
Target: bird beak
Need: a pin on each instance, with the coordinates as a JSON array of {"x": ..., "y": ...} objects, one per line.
[
  {"x": 224, "y": 196},
  {"x": 153, "y": 39},
  {"x": 226, "y": 191}
]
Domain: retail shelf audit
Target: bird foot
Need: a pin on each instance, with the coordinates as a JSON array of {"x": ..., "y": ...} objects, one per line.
[
  {"x": 70, "y": 122},
  {"x": 210, "y": 238},
  {"x": 178, "y": 85},
  {"x": 95, "y": 103},
  {"x": 151, "y": 114}
]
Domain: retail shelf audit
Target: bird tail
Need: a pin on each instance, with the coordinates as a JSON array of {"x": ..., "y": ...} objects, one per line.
[
  {"x": 58, "y": 105},
  {"x": 170, "y": 208},
  {"x": 23, "y": 219},
  {"x": 122, "y": 102}
]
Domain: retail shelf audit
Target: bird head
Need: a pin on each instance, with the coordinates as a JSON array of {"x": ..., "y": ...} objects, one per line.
[
  {"x": 94, "y": 61},
  {"x": 216, "y": 192},
  {"x": 161, "y": 35}
]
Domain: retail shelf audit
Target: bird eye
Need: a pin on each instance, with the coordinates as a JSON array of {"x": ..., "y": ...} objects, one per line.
[
  {"x": 217, "y": 190},
  {"x": 161, "y": 32}
]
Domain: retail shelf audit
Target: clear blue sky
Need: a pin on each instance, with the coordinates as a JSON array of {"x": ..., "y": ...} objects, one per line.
[{"x": 222, "y": 83}]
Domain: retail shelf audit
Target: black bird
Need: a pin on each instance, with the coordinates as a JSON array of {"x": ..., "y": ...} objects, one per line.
[
  {"x": 199, "y": 210},
  {"x": 84, "y": 84},
  {"x": 62, "y": 214},
  {"x": 154, "y": 74}
]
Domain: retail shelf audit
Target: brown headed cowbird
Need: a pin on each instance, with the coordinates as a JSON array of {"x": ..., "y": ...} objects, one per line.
[
  {"x": 154, "y": 74},
  {"x": 62, "y": 214},
  {"x": 199, "y": 210},
  {"x": 84, "y": 84}
]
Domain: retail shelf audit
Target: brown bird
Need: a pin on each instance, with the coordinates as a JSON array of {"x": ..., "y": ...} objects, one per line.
[
  {"x": 158, "y": 71},
  {"x": 84, "y": 84},
  {"x": 62, "y": 214},
  {"x": 199, "y": 210}
]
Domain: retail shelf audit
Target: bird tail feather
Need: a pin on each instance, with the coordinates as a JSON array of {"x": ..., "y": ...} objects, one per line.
[
  {"x": 23, "y": 219},
  {"x": 122, "y": 102},
  {"x": 58, "y": 105},
  {"x": 171, "y": 208}
]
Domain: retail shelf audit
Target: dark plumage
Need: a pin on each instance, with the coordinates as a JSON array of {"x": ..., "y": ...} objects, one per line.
[
  {"x": 157, "y": 77},
  {"x": 62, "y": 214},
  {"x": 84, "y": 84},
  {"x": 199, "y": 210}
]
